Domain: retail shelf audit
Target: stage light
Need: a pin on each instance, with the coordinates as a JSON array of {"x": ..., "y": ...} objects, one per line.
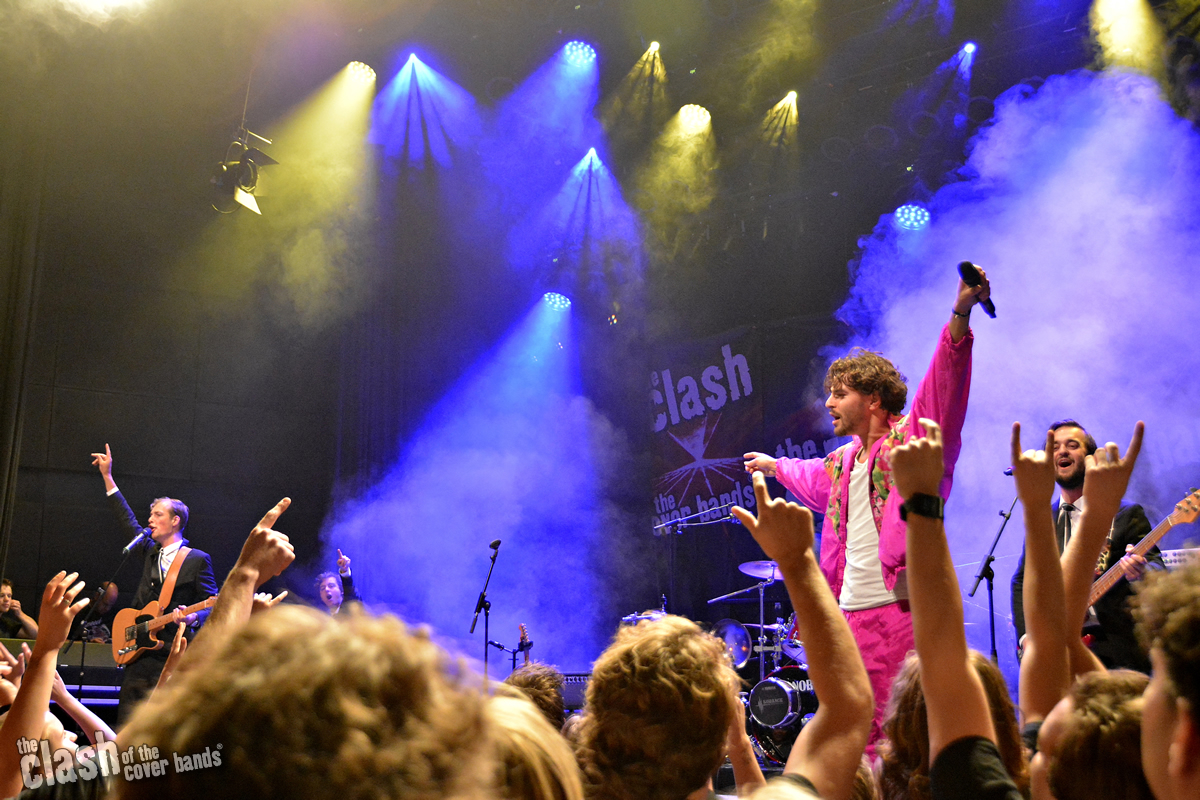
[
  {"x": 559, "y": 302},
  {"x": 694, "y": 118},
  {"x": 912, "y": 217},
  {"x": 361, "y": 71},
  {"x": 654, "y": 47},
  {"x": 579, "y": 53},
  {"x": 969, "y": 48},
  {"x": 236, "y": 177},
  {"x": 790, "y": 96}
]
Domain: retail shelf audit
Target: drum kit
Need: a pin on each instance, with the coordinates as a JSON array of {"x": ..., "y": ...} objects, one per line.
[{"x": 783, "y": 701}]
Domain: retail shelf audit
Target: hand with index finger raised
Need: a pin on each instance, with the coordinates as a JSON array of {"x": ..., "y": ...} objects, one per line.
[
  {"x": 267, "y": 552},
  {"x": 783, "y": 530}
]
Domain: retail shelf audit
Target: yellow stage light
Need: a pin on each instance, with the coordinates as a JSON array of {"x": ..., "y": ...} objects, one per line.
[
  {"x": 694, "y": 118},
  {"x": 654, "y": 47},
  {"x": 1129, "y": 35}
]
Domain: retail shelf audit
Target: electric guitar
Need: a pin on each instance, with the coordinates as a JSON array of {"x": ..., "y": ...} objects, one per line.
[
  {"x": 1186, "y": 510},
  {"x": 525, "y": 645},
  {"x": 133, "y": 630}
]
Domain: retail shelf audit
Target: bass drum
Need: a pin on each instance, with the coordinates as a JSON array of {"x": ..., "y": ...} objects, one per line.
[{"x": 779, "y": 707}]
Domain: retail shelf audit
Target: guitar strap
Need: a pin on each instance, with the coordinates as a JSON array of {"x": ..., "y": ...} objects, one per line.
[{"x": 168, "y": 589}]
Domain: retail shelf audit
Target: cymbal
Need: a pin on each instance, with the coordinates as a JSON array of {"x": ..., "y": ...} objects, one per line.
[
  {"x": 772, "y": 627},
  {"x": 760, "y": 569}
]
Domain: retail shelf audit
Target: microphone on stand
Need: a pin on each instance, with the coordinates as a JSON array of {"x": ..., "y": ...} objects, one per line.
[
  {"x": 495, "y": 545},
  {"x": 144, "y": 534},
  {"x": 1008, "y": 471}
]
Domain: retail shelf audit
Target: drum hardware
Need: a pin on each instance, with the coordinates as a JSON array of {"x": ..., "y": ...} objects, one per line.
[{"x": 769, "y": 571}]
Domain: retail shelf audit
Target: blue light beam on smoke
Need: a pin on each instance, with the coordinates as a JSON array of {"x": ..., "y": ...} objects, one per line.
[
  {"x": 420, "y": 117},
  {"x": 1080, "y": 202},
  {"x": 506, "y": 454}
]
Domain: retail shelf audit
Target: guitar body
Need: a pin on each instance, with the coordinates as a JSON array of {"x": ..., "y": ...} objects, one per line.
[{"x": 131, "y": 633}]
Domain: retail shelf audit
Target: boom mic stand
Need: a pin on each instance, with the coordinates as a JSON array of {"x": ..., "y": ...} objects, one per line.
[
  {"x": 485, "y": 606},
  {"x": 985, "y": 571}
]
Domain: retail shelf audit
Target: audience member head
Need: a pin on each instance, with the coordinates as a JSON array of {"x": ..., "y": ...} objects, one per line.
[
  {"x": 868, "y": 373},
  {"x": 534, "y": 761},
  {"x": 865, "y": 787},
  {"x": 904, "y": 752},
  {"x": 297, "y": 705},
  {"x": 329, "y": 587},
  {"x": 543, "y": 684},
  {"x": 172, "y": 520},
  {"x": 1088, "y": 746},
  {"x": 1168, "y": 612},
  {"x": 6, "y": 595},
  {"x": 659, "y": 708}
]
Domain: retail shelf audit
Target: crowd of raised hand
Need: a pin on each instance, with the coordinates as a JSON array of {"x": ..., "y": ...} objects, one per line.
[{"x": 284, "y": 701}]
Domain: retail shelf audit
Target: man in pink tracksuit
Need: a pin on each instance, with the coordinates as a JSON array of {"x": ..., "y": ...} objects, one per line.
[{"x": 862, "y": 538}]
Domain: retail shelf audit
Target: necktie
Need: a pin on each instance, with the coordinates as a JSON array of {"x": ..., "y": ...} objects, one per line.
[{"x": 1064, "y": 516}]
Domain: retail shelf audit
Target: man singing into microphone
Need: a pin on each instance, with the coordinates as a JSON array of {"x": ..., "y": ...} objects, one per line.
[
  {"x": 863, "y": 535},
  {"x": 194, "y": 583}
]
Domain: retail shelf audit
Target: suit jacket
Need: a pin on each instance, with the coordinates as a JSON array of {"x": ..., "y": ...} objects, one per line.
[
  {"x": 194, "y": 584},
  {"x": 1115, "y": 642}
]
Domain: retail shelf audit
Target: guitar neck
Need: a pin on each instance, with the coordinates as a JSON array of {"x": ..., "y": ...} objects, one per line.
[
  {"x": 1114, "y": 573},
  {"x": 167, "y": 619}
]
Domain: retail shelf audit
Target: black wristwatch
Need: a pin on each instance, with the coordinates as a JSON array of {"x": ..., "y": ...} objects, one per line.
[{"x": 924, "y": 505}]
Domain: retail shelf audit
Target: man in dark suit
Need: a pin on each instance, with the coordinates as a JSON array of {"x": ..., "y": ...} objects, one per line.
[
  {"x": 168, "y": 519},
  {"x": 1112, "y": 630}
]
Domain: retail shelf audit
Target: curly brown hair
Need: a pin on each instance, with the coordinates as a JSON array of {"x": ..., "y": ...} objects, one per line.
[
  {"x": 299, "y": 704},
  {"x": 904, "y": 751},
  {"x": 534, "y": 761},
  {"x": 868, "y": 372},
  {"x": 1100, "y": 753},
  {"x": 659, "y": 706},
  {"x": 1167, "y": 607},
  {"x": 543, "y": 684}
]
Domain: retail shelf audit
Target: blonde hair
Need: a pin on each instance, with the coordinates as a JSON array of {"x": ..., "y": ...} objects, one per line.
[
  {"x": 659, "y": 707},
  {"x": 298, "y": 704},
  {"x": 534, "y": 761}
]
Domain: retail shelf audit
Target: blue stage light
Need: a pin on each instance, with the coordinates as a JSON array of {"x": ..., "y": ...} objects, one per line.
[
  {"x": 969, "y": 48},
  {"x": 559, "y": 302},
  {"x": 579, "y": 53},
  {"x": 912, "y": 217}
]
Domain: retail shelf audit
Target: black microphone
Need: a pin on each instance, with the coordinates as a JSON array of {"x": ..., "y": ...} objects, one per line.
[
  {"x": 495, "y": 545},
  {"x": 971, "y": 277},
  {"x": 141, "y": 535},
  {"x": 1008, "y": 471}
]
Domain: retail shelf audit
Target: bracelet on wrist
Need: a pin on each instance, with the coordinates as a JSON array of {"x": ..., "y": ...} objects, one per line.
[
  {"x": 924, "y": 505},
  {"x": 967, "y": 315}
]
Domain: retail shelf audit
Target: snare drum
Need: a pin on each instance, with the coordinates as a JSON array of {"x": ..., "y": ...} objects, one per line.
[{"x": 779, "y": 707}]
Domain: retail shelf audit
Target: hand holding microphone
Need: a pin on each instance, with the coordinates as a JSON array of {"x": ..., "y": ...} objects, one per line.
[{"x": 974, "y": 277}]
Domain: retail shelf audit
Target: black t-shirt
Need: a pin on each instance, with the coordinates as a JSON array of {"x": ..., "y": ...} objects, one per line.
[
  {"x": 10, "y": 626},
  {"x": 799, "y": 780},
  {"x": 971, "y": 768}
]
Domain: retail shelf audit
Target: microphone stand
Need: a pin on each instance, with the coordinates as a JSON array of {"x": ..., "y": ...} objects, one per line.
[
  {"x": 985, "y": 571},
  {"x": 484, "y": 605},
  {"x": 92, "y": 606},
  {"x": 677, "y": 526}
]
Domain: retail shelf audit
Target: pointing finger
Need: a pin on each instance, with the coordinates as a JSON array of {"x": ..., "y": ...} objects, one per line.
[
  {"x": 1135, "y": 444},
  {"x": 269, "y": 518}
]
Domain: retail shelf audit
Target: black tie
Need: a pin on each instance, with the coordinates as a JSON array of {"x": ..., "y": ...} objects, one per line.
[{"x": 1064, "y": 525}]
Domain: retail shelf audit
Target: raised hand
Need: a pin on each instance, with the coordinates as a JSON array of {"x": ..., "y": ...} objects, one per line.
[
  {"x": 1106, "y": 472},
  {"x": 343, "y": 562},
  {"x": 1033, "y": 470},
  {"x": 783, "y": 530},
  {"x": 267, "y": 552},
  {"x": 179, "y": 646},
  {"x": 917, "y": 467},
  {"x": 58, "y": 611},
  {"x": 264, "y": 600},
  {"x": 968, "y": 296},
  {"x": 760, "y": 462},
  {"x": 103, "y": 461}
]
